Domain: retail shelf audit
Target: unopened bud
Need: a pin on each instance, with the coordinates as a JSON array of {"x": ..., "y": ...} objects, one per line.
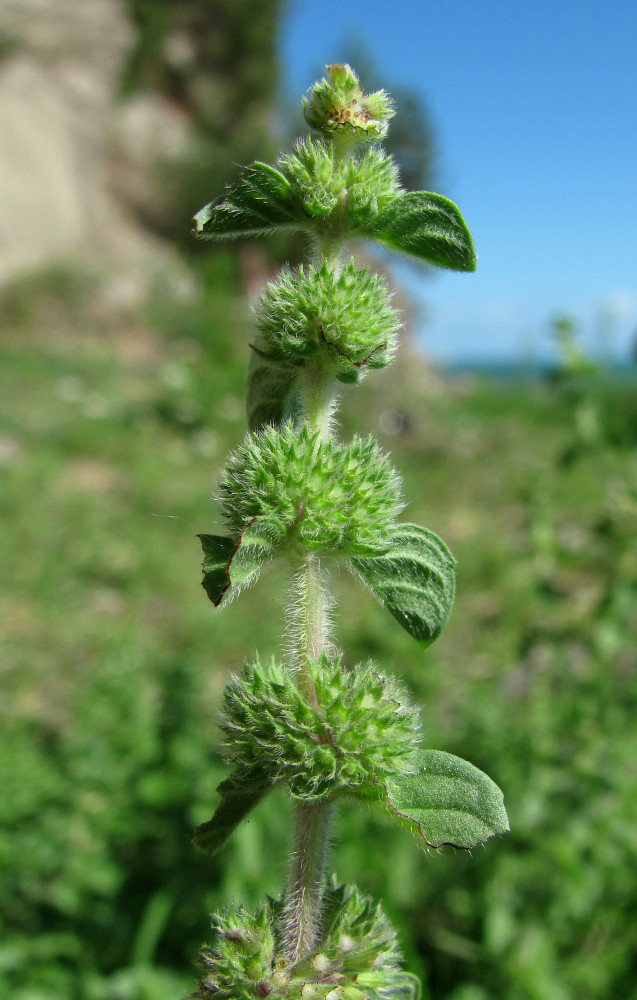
[{"x": 339, "y": 104}]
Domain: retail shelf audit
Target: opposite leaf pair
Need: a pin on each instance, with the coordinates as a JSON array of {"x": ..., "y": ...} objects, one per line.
[{"x": 336, "y": 199}]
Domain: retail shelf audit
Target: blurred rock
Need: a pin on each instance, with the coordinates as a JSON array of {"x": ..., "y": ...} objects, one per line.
[{"x": 60, "y": 123}]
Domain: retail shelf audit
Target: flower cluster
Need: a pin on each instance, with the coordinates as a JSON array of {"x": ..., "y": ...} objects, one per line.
[
  {"x": 356, "y": 957},
  {"x": 326, "y": 495},
  {"x": 344, "y": 320},
  {"x": 363, "y": 727},
  {"x": 347, "y": 194}
]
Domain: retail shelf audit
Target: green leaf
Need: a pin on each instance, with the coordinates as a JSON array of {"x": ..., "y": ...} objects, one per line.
[
  {"x": 259, "y": 202},
  {"x": 218, "y": 550},
  {"x": 447, "y": 801},
  {"x": 229, "y": 565},
  {"x": 240, "y": 793},
  {"x": 269, "y": 389},
  {"x": 426, "y": 225},
  {"x": 414, "y": 579}
]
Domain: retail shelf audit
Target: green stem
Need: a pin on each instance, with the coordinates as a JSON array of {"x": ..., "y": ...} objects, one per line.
[
  {"x": 308, "y": 625},
  {"x": 308, "y": 628},
  {"x": 316, "y": 399},
  {"x": 305, "y": 886},
  {"x": 343, "y": 144},
  {"x": 328, "y": 249},
  {"x": 316, "y": 392}
]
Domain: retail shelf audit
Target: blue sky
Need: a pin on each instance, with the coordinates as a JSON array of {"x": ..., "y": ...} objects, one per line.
[{"x": 535, "y": 111}]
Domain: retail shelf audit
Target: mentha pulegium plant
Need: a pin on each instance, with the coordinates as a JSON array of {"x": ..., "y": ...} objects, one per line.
[{"x": 310, "y": 724}]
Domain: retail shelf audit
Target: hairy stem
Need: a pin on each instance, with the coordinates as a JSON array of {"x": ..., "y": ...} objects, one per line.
[
  {"x": 305, "y": 887},
  {"x": 308, "y": 623},
  {"x": 308, "y": 629},
  {"x": 316, "y": 399},
  {"x": 308, "y": 626},
  {"x": 316, "y": 386}
]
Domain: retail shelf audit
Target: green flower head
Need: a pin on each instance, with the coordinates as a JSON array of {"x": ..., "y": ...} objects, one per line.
[
  {"x": 339, "y": 194},
  {"x": 345, "y": 320},
  {"x": 363, "y": 727},
  {"x": 326, "y": 495},
  {"x": 356, "y": 956}
]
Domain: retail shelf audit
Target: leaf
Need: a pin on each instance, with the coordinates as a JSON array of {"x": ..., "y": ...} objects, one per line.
[
  {"x": 269, "y": 388},
  {"x": 228, "y": 564},
  {"x": 259, "y": 202},
  {"x": 240, "y": 793},
  {"x": 447, "y": 801},
  {"x": 426, "y": 225},
  {"x": 414, "y": 579},
  {"x": 218, "y": 551}
]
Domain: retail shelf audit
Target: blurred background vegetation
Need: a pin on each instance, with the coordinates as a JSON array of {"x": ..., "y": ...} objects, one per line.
[{"x": 124, "y": 351}]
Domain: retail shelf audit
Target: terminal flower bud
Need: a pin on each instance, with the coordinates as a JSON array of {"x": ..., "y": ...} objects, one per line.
[{"x": 338, "y": 104}]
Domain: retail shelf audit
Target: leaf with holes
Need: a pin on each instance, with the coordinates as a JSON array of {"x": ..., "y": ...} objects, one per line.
[
  {"x": 229, "y": 565},
  {"x": 260, "y": 202}
]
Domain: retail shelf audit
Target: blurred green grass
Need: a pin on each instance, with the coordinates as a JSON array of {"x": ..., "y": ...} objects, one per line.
[{"x": 113, "y": 661}]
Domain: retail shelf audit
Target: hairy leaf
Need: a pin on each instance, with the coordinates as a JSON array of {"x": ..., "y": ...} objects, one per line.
[
  {"x": 270, "y": 387},
  {"x": 239, "y": 796},
  {"x": 446, "y": 801},
  {"x": 426, "y": 225},
  {"x": 229, "y": 565},
  {"x": 259, "y": 202},
  {"x": 414, "y": 579},
  {"x": 420, "y": 223}
]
